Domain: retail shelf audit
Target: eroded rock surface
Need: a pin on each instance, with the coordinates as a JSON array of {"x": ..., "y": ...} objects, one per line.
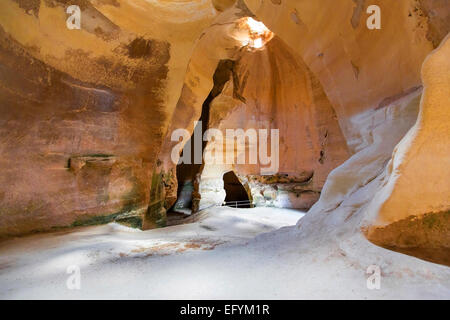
[
  {"x": 87, "y": 115},
  {"x": 83, "y": 112},
  {"x": 273, "y": 89}
]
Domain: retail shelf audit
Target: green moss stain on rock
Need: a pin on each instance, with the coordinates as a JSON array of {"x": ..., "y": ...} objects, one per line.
[
  {"x": 426, "y": 236},
  {"x": 96, "y": 220},
  {"x": 132, "y": 222},
  {"x": 155, "y": 217}
]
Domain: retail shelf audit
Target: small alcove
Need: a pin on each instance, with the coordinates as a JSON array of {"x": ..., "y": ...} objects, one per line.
[{"x": 236, "y": 195}]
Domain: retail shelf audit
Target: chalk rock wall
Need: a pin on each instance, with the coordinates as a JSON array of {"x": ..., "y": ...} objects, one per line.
[
  {"x": 359, "y": 69},
  {"x": 394, "y": 193},
  {"x": 377, "y": 193},
  {"x": 412, "y": 209}
]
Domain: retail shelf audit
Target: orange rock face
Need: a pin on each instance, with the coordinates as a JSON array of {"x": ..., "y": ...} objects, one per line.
[
  {"x": 83, "y": 111},
  {"x": 71, "y": 150}
]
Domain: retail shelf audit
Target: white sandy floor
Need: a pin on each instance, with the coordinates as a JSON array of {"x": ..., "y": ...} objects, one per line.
[{"x": 229, "y": 254}]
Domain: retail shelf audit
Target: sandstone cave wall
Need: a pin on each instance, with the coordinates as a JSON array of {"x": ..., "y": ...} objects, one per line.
[
  {"x": 359, "y": 69},
  {"x": 395, "y": 185},
  {"x": 83, "y": 112},
  {"x": 268, "y": 88},
  {"x": 273, "y": 89}
]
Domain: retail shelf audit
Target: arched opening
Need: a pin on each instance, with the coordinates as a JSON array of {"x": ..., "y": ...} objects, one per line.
[
  {"x": 187, "y": 173},
  {"x": 236, "y": 195}
]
